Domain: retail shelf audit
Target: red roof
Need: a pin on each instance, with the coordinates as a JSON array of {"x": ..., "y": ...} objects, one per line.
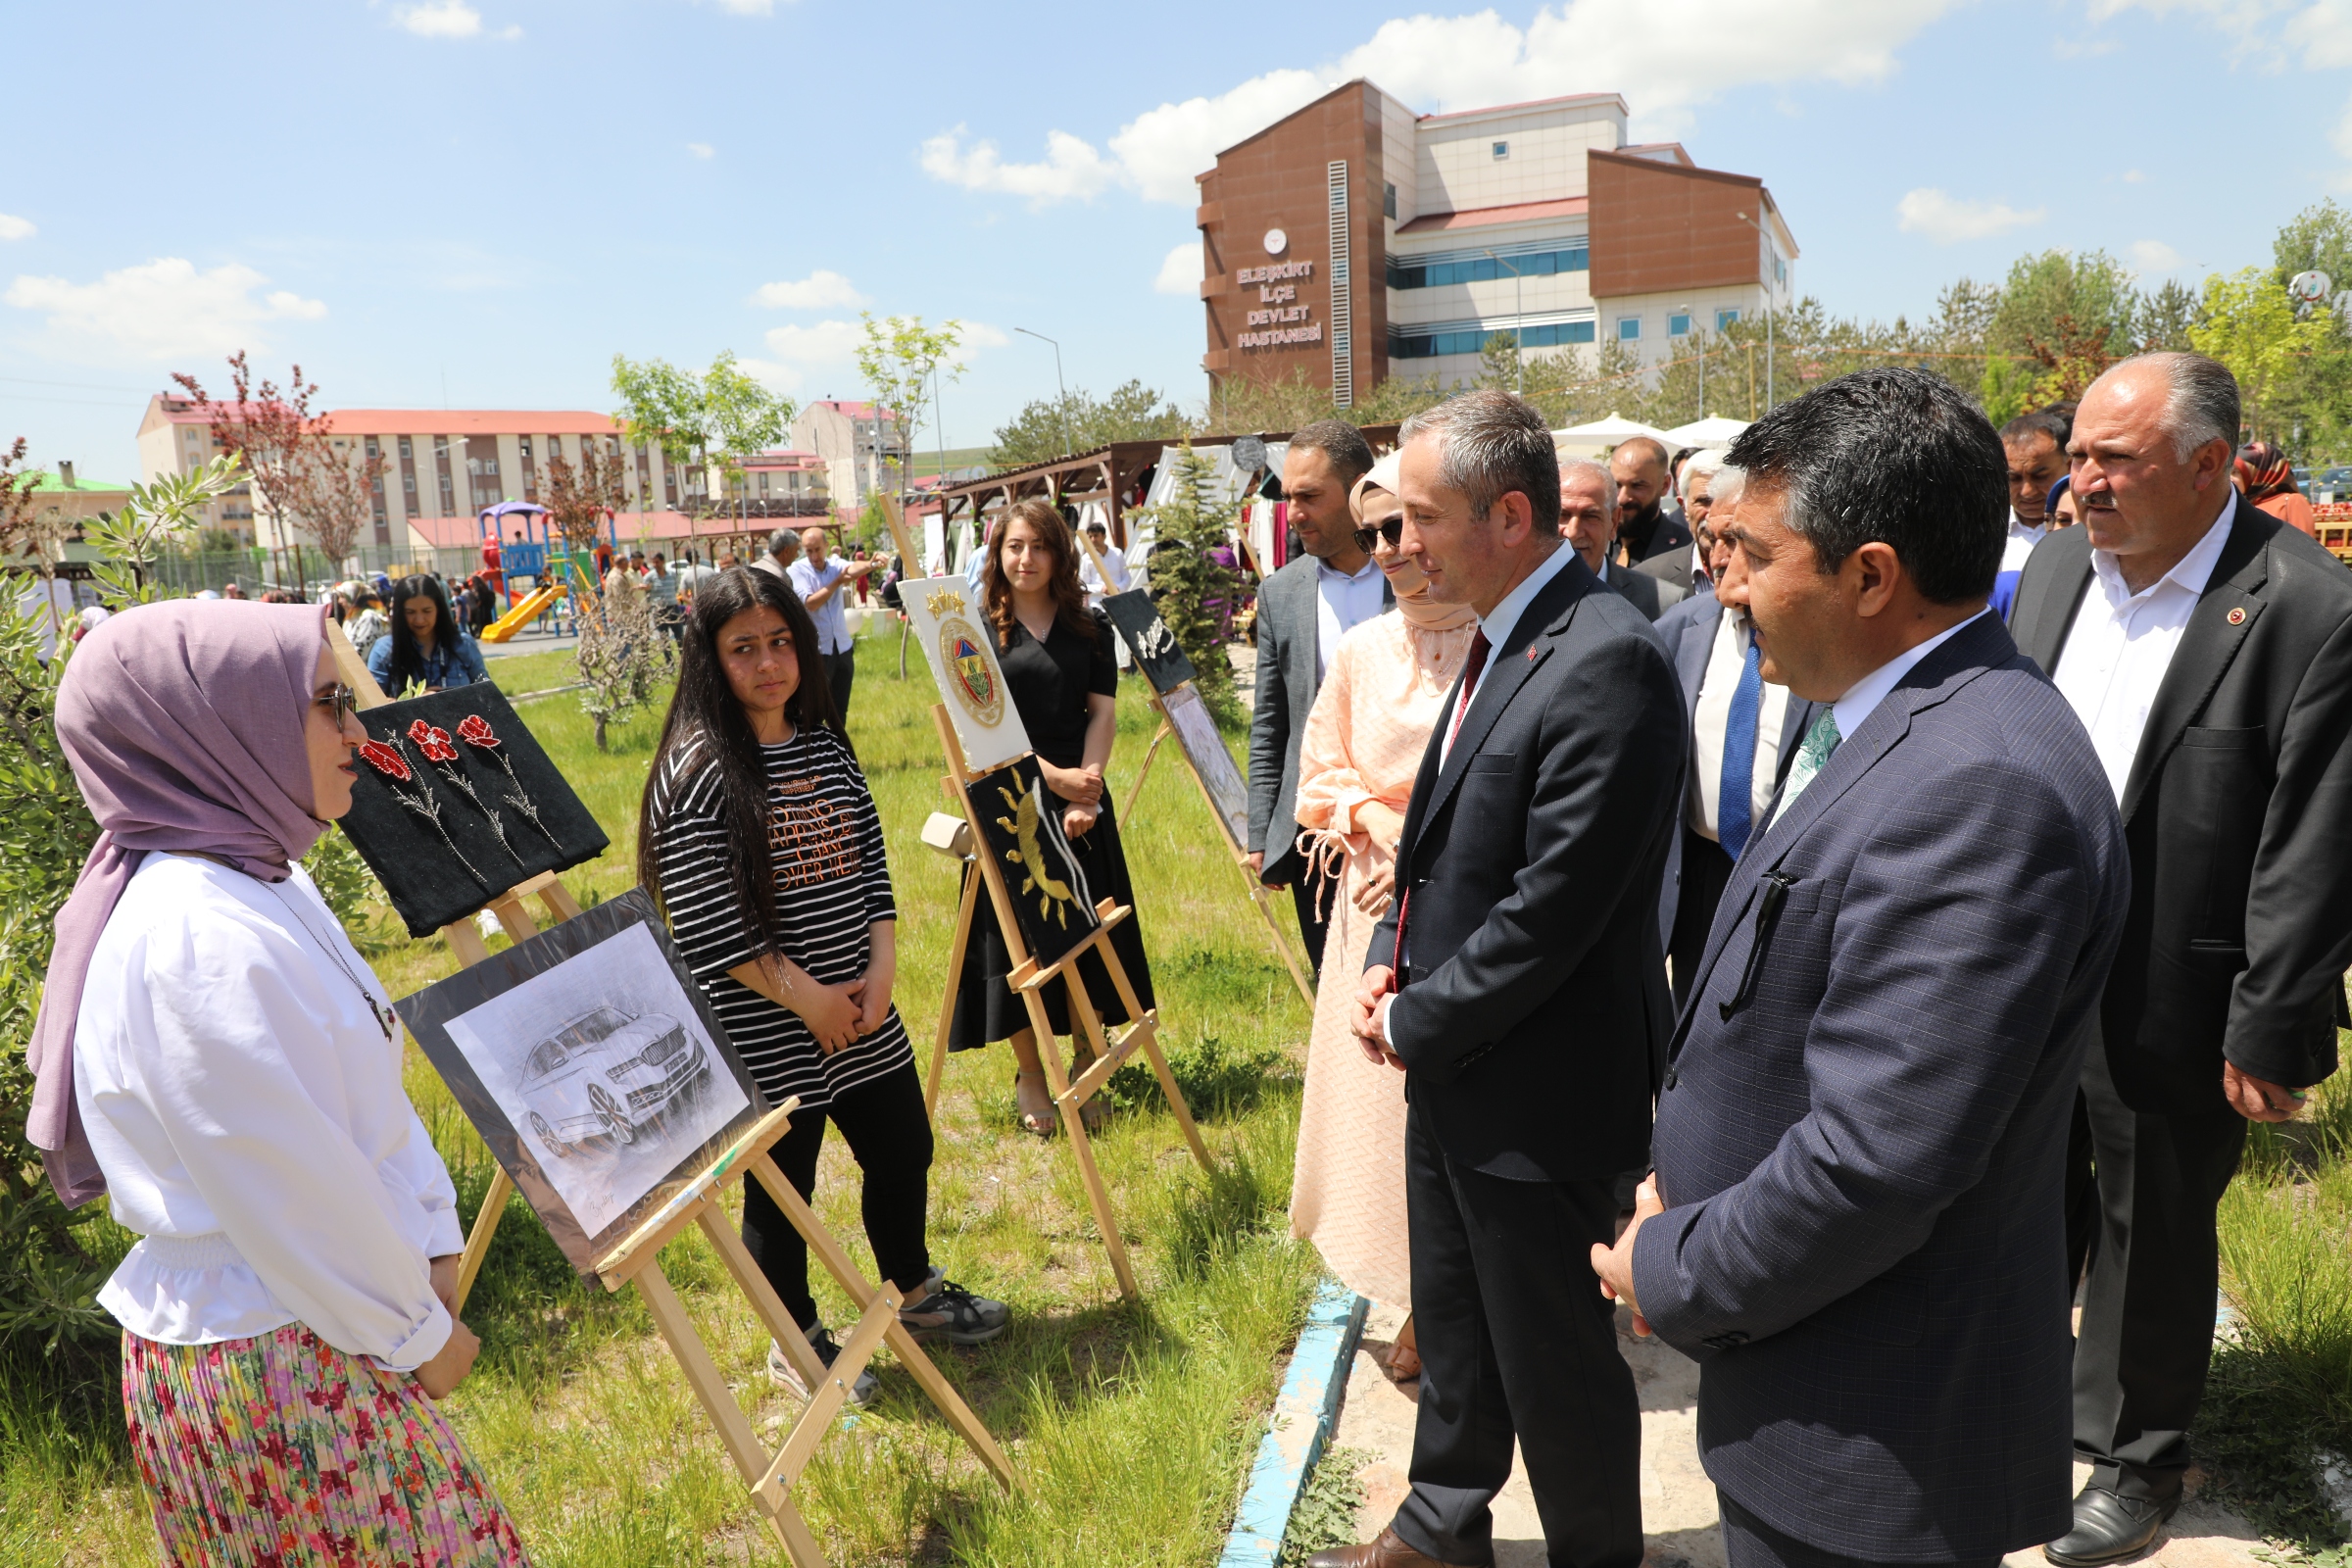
[
  {"x": 472, "y": 422},
  {"x": 852, "y": 411},
  {"x": 1482, "y": 216}
]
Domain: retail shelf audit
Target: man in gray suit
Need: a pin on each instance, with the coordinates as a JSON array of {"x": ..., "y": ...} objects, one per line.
[
  {"x": 1587, "y": 514},
  {"x": 1303, "y": 612},
  {"x": 1861, "y": 1130},
  {"x": 1744, "y": 732}
]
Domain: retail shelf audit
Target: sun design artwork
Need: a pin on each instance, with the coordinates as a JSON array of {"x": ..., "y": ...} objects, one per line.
[
  {"x": 971, "y": 678},
  {"x": 1052, "y": 896}
]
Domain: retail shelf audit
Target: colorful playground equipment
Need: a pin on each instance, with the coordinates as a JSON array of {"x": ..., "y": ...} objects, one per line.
[{"x": 533, "y": 555}]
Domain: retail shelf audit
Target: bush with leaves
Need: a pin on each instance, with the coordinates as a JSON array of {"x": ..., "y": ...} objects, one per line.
[
  {"x": 623, "y": 655},
  {"x": 1196, "y": 591}
]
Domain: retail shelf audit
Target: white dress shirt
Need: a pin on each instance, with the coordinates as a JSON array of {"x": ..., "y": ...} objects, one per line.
[
  {"x": 2023, "y": 537},
  {"x": 1114, "y": 565},
  {"x": 1342, "y": 603},
  {"x": 1716, "y": 687},
  {"x": 832, "y": 624},
  {"x": 248, "y": 1113},
  {"x": 2122, "y": 642},
  {"x": 1864, "y": 696}
]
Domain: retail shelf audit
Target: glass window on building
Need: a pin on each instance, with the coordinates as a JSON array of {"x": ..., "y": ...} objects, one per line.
[
  {"x": 1678, "y": 325},
  {"x": 1388, "y": 200},
  {"x": 1725, "y": 318},
  {"x": 1629, "y": 329},
  {"x": 1503, "y": 149}
]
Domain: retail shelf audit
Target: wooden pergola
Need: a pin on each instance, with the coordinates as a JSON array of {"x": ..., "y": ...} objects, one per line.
[{"x": 1104, "y": 475}]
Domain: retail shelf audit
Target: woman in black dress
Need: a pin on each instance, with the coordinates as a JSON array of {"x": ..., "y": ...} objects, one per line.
[{"x": 1063, "y": 675}]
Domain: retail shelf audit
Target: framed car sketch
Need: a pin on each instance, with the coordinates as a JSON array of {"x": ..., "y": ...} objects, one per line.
[
  {"x": 456, "y": 802},
  {"x": 1020, "y": 825},
  {"x": 592, "y": 1065},
  {"x": 1148, "y": 641},
  {"x": 951, "y": 629},
  {"x": 1206, "y": 754}
]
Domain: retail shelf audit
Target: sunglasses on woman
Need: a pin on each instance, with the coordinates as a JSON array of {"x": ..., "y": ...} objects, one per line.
[
  {"x": 1392, "y": 530},
  {"x": 339, "y": 701}
]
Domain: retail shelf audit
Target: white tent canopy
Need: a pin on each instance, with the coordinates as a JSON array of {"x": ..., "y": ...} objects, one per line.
[
  {"x": 1712, "y": 431},
  {"x": 1605, "y": 434}
]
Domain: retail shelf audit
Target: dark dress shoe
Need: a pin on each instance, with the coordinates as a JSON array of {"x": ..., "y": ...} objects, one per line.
[
  {"x": 2109, "y": 1528},
  {"x": 1389, "y": 1552}
]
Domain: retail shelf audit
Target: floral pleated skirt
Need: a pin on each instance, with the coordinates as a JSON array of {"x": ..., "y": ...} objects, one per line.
[{"x": 281, "y": 1450}]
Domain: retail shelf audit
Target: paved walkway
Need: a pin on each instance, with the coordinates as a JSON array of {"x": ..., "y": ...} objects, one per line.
[{"x": 1678, "y": 1501}]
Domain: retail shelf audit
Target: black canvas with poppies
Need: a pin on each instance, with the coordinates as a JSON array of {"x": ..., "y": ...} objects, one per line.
[{"x": 456, "y": 802}]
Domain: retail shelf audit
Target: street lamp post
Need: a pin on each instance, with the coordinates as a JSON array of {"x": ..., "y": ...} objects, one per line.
[
  {"x": 1703, "y": 359},
  {"x": 1769, "y": 313},
  {"x": 1518, "y": 326},
  {"x": 1068, "y": 446}
]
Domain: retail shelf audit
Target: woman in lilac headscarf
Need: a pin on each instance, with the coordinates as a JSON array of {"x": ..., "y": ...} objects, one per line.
[{"x": 213, "y": 1055}]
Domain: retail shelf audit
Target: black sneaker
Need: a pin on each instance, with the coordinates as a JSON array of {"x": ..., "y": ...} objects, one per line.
[
  {"x": 955, "y": 1314},
  {"x": 820, "y": 1340}
]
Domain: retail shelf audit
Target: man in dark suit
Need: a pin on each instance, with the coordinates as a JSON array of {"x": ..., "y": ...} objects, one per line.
[
  {"x": 1518, "y": 981},
  {"x": 1304, "y": 611},
  {"x": 1588, "y": 503},
  {"x": 1646, "y": 525},
  {"x": 1685, "y": 565},
  {"x": 1860, "y": 1136},
  {"x": 1744, "y": 732},
  {"x": 2208, "y": 649}
]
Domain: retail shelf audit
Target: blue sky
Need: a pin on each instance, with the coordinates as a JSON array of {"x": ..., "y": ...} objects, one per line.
[{"x": 479, "y": 202}]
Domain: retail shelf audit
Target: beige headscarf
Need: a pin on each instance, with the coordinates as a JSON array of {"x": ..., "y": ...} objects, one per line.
[{"x": 1374, "y": 501}]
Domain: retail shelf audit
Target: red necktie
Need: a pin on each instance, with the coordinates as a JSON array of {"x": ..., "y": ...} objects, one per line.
[{"x": 1479, "y": 649}]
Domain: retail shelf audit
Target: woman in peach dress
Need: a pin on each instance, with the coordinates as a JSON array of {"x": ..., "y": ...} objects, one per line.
[{"x": 1358, "y": 758}]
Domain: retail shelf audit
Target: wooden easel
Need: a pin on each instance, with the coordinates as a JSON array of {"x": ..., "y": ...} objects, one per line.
[
  {"x": 636, "y": 1260},
  {"x": 1241, "y": 856},
  {"x": 1028, "y": 982}
]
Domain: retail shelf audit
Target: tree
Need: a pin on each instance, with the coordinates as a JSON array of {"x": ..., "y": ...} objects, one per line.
[
  {"x": 898, "y": 359},
  {"x": 743, "y": 417},
  {"x": 1194, "y": 590},
  {"x": 578, "y": 497},
  {"x": 336, "y": 492},
  {"x": 157, "y": 518},
  {"x": 621, "y": 656},
  {"x": 268, "y": 430},
  {"x": 662, "y": 407},
  {"x": 2093, "y": 291},
  {"x": 2249, "y": 323},
  {"x": 2165, "y": 318},
  {"x": 1060, "y": 426}
]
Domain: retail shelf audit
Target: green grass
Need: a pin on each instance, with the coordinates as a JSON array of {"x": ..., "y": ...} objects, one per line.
[{"x": 1130, "y": 1425}]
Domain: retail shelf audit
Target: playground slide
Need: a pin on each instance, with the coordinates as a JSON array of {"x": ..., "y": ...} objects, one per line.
[{"x": 533, "y": 607}]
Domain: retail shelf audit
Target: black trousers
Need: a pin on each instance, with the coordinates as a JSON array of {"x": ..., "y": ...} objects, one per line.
[
  {"x": 1707, "y": 871},
  {"x": 891, "y": 1139},
  {"x": 2146, "y": 1336},
  {"x": 1313, "y": 894},
  {"x": 1516, "y": 1341},
  {"x": 841, "y": 673},
  {"x": 1749, "y": 1542}
]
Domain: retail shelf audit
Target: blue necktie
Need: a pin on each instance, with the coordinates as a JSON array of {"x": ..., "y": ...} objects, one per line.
[{"x": 1735, "y": 797}]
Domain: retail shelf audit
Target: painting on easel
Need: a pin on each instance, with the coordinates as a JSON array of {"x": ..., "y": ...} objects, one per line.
[
  {"x": 456, "y": 804},
  {"x": 1204, "y": 749},
  {"x": 953, "y": 633},
  {"x": 1150, "y": 643},
  {"x": 594, "y": 1068},
  {"x": 1020, "y": 825}
]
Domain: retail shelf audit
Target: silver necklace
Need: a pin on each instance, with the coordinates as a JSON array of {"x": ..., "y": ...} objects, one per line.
[{"x": 383, "y": 1016}]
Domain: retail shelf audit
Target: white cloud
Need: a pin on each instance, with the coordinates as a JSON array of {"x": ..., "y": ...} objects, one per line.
[
  {"x": 2154, "y": 256},
  {"x": 446, "y": 19},
  {"x": 1640, "y": 48},
  {"x": 1072, "y": 168},
  {"x": 820, "y": 290},
  {"x": 748, "y": 8},
  {"x": 2132, "y": 176},
  {"x": 825, "y": 343},
  {"x": 15, "y": 227},
  {"x": 975, "y": 336},
  {"x": 1947, "y": 220},
  {"x": 165, "y": 308},
  {"x": 1181, "y": 270},
  {"x": 702, "y": 149}
]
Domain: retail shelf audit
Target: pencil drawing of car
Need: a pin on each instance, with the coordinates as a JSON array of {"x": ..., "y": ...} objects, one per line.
[{"x": 607, "y": 1073}]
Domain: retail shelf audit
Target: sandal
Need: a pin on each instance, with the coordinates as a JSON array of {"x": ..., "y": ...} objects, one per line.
[
  {"x": 1404, "y": 1355},
  {"x": 1036, "y": 1117}
]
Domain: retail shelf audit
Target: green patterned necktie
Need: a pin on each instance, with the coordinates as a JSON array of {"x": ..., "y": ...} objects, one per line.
[{"x": 1811, "y": 758}]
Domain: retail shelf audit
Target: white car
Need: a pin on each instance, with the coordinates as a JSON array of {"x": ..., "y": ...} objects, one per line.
[{"x": 607, "y": 1073}]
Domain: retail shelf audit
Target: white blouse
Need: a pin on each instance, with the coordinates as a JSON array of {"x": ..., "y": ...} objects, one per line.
[{"x": 249, "y": 1116}]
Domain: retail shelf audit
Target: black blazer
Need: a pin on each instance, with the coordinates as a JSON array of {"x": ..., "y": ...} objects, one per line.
[
  {"x": 1653, "y": 596},
  {"x": 2242, "y": 885},
  {"x": 1533, "y": 995}
]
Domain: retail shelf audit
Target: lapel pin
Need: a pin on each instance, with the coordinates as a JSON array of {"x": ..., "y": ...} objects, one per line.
[
  {"x": 1531, "y": 653},
  {"x": 2237, "y": 616}
]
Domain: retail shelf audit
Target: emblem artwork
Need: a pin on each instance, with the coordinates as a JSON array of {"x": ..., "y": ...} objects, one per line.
[
  {"x": 1019, "y": 821},
  {"x": 954, "y": 636},
  {"x": 970, "y": 677},
  {"x": 1052, "y": 896}
]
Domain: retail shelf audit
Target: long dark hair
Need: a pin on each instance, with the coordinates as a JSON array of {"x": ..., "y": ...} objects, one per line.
[
  {"x": 407, "y": 660},
  {"x": 704, "y": 710},
  {"x": 1069, "y": 600}
]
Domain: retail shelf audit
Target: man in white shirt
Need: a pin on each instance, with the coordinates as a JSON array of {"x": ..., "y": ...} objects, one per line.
[
  {"x": 2207, "y": 648},
  {"x": 819, "y": 582},
  {"x": 1304, "y": 609},
  {"x": 1114, "y": 565},
  {"x": 2035, "y": 446}
]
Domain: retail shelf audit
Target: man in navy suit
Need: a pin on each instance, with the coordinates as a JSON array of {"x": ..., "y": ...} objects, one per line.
[
  {"x": 1862, "y": 1129},
  {"x": 1517, "y": 980}
]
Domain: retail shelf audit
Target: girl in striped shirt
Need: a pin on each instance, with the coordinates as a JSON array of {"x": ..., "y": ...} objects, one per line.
[{"x": 760, "y": 839}]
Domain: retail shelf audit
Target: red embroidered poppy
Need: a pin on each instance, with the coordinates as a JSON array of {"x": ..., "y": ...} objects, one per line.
[
  {"x": 384, "y": 760},
  {"x": 433, "y": 742},
  {"x": 475, "y": 731}
]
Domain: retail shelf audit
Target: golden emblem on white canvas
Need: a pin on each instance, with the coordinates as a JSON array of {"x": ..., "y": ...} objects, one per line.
[{"x": 971, "y": 676}]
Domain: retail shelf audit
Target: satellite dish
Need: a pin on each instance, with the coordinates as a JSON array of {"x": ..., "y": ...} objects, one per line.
[
  {"x": 1277, "y": 242},
  {"x": 1249, "y": 454},
  {"x": 2309, "y": 287}
]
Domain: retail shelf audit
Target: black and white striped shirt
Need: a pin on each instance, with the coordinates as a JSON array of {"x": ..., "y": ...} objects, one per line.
[{"x": 826, "y": 843}]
